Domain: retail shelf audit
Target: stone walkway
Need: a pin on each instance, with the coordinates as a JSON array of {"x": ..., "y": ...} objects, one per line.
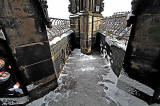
[{"x": 87, "y": 80}]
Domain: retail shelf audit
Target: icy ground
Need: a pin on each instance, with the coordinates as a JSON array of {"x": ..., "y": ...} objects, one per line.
[{"x": 87, "y": 80}]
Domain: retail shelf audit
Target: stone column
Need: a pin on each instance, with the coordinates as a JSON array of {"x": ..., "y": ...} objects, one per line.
[
  {"x": 85, "y": 22},
  {"x": 85, "y": 33}
]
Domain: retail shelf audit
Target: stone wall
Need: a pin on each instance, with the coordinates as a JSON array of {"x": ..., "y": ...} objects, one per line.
[
  {"x": 114, "y": 37},
  {"x": 60, "y": 52},
  {"x": 112, "y": 53}
]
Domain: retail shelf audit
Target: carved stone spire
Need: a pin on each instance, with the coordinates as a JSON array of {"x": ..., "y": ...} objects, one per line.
[{"x": 96, "y": 6}]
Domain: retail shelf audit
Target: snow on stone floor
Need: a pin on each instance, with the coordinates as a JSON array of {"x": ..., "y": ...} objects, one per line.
[
  {"x": 111, "y": 40},
  {"x": 87, "y": 80}
]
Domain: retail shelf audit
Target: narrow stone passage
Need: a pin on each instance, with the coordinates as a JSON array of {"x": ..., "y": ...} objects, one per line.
[{"x": 87, "y": 80}]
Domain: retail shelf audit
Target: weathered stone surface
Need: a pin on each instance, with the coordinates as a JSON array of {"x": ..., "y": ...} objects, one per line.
[
  {"x": 143, "y": 51},
  {"x": 84, "y": 21},
  {"x": 27, "y": 38},
  {"x": 34, "y": 58},
  {"x": 60, "y": 52},
  {"x": 96, "y": 6}
]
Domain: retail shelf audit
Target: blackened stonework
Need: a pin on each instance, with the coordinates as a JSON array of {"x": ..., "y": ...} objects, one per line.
[
  {"x": 74, "y": 6},
  {"x": 138, "y": 6},
  {"x": 111, "y": 53},
  {"x": 102, "y": 6},
  {"x": 25, "y": 31},
  {"x": 35, "y": 57},
  {"x": 44, "y": 65},
  {"x": 142, "y": 54},
  {"x": 143, "y": 59},
  {"x": 117, "y": 59}
]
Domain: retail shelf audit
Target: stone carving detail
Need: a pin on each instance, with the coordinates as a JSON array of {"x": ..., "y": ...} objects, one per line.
[
  {"x": 44, "y": 7},
  {"x": 73, "y": 6},
  {"x": 86, "y": 5}
]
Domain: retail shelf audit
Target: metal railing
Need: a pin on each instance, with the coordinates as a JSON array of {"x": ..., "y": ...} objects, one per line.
[{"x": 59, "y": 27}]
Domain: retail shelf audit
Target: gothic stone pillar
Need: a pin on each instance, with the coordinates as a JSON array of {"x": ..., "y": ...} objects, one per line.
[{"x": 86, "y": 33}]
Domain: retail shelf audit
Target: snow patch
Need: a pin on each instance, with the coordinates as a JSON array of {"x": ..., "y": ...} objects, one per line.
[
  {"x": 111, "y": 40},
  {"x": 84, "y": 69},
  {"x": 116, "y": 95},
  {"x": 57, "y": 39},
  {"x": 65, "y": 82},
  {"x": 2, "y": 35},
  {"x": 86, "y": 58},
  {"x": 83, "y": 57}
]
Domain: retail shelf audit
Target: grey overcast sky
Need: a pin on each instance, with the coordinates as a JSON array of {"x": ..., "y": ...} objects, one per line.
[{"x": 59, "y": 8}]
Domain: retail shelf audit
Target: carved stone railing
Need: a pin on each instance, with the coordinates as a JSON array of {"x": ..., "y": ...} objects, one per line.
[{"x": 59, "y": 27}]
